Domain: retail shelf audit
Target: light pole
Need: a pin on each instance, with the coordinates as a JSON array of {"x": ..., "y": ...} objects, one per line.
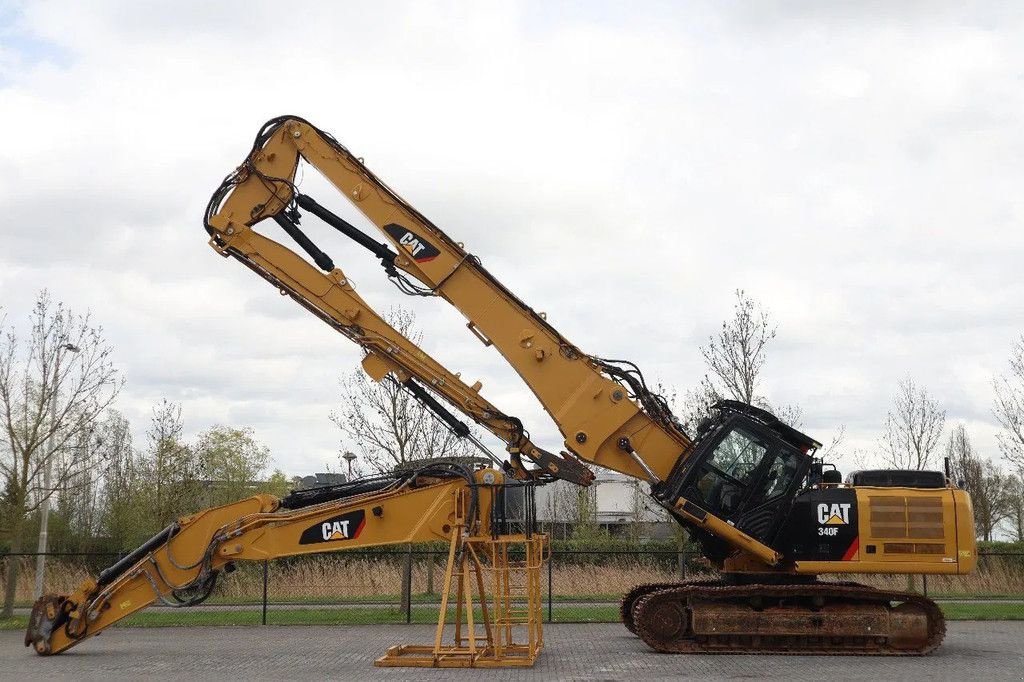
[
  {"x": 44, "y": 507},
  {"x": 349, "y": 457}
]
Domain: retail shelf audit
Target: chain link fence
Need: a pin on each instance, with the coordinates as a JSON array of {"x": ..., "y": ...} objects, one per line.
[{"x": 402, "y": 586}]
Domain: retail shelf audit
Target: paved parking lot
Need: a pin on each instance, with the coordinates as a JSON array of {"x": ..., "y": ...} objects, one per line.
[{"x": 972, "y": 651}]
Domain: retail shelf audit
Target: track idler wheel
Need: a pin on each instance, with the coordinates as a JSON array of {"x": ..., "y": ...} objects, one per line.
[
  {"x": 630, "y": 599},
  {"x": 666, "y": 621}
]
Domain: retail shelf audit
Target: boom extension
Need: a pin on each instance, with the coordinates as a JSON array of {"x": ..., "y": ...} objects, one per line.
[{"x": 180, "y": 565}]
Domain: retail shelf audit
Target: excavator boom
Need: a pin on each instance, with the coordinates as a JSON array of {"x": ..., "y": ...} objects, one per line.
[
  {"x": 436, "y": 502},
  {"x": 593, "y": 410}
]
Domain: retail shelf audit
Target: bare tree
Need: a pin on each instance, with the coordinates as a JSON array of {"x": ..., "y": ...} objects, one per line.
[
  {"x": 54, "y": 385},
  {"x": 1015, "y": 505},
  {"x": 577, "y": 506},
  {"x": 913, "y": 428},
  {"x": 987, "y": 484},
  {"x": 963, "y": 462},
  {"x": 1009, "y": 408},
  {"x": 385, "y": 423},
  {"x": 170, "y": 467},
  {"x": 735, "y": 359},
  {"x": 695, "y": 405},
  {"x": 642, "y": 508},
  {"x": 735, "y": 355}
]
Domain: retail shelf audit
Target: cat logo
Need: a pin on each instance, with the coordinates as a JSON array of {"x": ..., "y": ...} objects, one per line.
[
  {"x": 336, "y": 529},
  {"x": 834, "y": 514},
  {"x": 419, "y": 248}
]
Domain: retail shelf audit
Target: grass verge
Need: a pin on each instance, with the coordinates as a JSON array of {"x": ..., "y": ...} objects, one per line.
[{"x": 370, "y": 615}]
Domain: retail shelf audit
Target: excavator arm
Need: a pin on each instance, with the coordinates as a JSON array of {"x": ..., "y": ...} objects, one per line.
[
  {"x": 603, "y": 408},
  {"x": 180, "y": 565},
  {"x": 332, "y": 297},
  {"x": 593, "y": 402}
]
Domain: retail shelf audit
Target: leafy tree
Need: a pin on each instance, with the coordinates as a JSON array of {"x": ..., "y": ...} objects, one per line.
[
  {"x": 278, "y": 484},
  {"x": 580, "y": 503},
  {"x": 79, "y": 498},
  {"x": 232, "y": 462},
  {"x": 123, "y": 508},
  {"x": 1015, "y": 505}
]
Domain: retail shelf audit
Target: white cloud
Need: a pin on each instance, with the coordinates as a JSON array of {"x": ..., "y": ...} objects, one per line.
[{"x": 856, "y": 171}]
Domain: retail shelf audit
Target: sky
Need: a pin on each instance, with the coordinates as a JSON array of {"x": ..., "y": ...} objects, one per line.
[{"x": 624, "y": 167}]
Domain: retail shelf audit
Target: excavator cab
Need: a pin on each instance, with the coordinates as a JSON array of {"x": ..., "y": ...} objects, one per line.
[{"x": 745, "y": 468}]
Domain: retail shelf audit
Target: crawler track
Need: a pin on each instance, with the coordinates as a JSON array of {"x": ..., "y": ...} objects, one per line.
[{"x": 817, "y": 618}]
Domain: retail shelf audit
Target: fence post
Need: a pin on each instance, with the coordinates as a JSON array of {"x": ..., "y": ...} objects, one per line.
[
  {"x": 430, "y": 572},
  {"x": 407, "y": 584},
  {"x": 924, "y": 584},
  {"x": 266, "y": 571},
  {"x": 551, "y": 563}
]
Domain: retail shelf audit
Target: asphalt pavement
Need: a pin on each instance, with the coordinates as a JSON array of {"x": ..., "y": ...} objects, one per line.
[{"x": 972, "y": 651}]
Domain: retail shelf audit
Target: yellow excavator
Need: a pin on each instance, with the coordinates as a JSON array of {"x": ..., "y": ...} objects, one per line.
[{"x": 768, "y": 513}]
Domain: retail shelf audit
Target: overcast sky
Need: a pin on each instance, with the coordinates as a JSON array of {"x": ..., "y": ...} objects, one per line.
[{"x": 622, "y": 166}]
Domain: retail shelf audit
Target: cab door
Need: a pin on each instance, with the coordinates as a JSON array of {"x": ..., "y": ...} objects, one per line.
[{"x": 770, "y": 501}]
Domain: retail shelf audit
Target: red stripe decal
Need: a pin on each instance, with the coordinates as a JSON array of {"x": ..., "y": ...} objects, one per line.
[{"x": 852, "y": 550}]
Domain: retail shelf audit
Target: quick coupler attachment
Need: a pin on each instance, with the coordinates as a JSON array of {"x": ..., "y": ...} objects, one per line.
[{"x": 48, "y": 613}]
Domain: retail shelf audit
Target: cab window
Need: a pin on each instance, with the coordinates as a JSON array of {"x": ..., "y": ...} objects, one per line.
[
  {"x": 781, "y": 473},
  {"x": 727, "y": 473},
  {"x": 738, "y": 454}
]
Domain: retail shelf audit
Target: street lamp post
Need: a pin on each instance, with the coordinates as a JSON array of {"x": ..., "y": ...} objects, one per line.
[
  {"x": 44, "y": 507},
  {"x": 349, "y": 457}
]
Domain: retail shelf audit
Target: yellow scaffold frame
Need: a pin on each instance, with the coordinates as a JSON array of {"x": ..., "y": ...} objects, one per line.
[{"x": 506, "y": 571}]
